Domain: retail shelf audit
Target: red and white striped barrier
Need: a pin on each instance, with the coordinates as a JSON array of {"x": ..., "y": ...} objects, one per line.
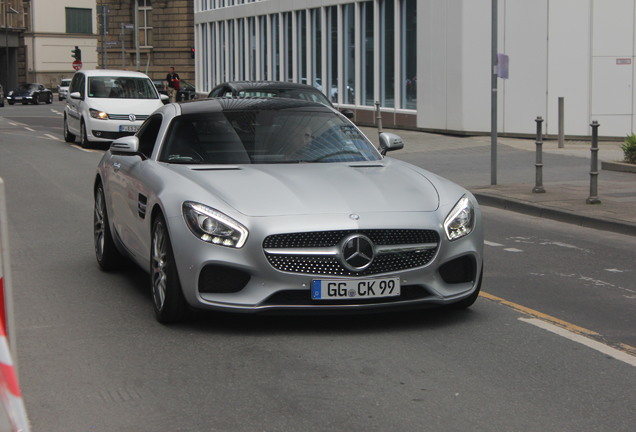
[{"x": 15, "y": 417}]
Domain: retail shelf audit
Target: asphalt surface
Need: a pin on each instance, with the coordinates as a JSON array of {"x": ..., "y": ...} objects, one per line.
[{"x": 93, "y": 359}]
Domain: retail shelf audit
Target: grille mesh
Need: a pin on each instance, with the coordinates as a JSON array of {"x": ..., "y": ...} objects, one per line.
[
  {"x": 331, "y": 266},
  {"x": 138, "y": 117}
]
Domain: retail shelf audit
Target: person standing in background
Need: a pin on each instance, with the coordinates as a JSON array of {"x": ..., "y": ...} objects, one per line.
[{"x": 172, "y": 84}]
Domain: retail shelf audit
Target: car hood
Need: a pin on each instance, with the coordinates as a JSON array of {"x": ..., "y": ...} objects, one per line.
[
  {"x": 298, "y": 189},
  {"x": 22, "y": 92},
  {"x": 126, "y": 106}
]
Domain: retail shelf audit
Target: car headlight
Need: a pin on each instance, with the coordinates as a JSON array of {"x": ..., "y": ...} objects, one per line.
[
  {"x": 213, "y": 226},
  {"x": 98, "y": 114},
  {"x": 461, "y": 219}
]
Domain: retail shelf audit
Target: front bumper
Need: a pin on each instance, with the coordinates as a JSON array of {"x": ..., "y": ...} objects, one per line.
[
  {"x": 252, "y": 284},
  {"x": 110, "y": 130}
]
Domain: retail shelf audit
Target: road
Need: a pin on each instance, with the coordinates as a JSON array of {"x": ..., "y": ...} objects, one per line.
[{"x": 543, "y": 349}]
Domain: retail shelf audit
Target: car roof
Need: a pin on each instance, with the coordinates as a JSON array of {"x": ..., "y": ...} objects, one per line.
[
  {"x": 267, "y": 85},
  {"x": 112, "y": 72},
  {"x": 249, "y": 104}
]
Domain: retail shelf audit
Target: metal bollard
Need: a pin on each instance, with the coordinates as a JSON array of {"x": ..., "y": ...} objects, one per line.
[
  {"x": 561, "y": 121},
  {"x": 378, "y": 116},
  {"x": 593, "y": 198},
  {"x": 538, "y": 188}
]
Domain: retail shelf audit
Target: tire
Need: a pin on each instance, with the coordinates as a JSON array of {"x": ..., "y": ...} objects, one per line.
[
  {"x": 468, "y": 301},
  {"x": 36, "y": 99},
  {"x": 68, "y": 137},
  {"x": 108, "y": 257},
  {"x": 83, "y": 136},
  {"x": 49, "y": 100},
  {"x": 167, "y": 297},
  {"x": 11, "y": 102}
]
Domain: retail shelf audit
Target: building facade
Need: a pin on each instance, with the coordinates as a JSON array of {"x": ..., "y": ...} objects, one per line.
[
  {"x": 56, "y": 27},
  {"x": 14, "y": 22},
  {"x": 428, "y": 62},
  {"x": 148, "y": 36}
]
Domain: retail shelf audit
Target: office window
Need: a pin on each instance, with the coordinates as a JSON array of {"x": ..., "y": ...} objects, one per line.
[
  {"x": 301, "y": 31},
  {"x": 409, "y": 53},
  {"x": 316, "y": 49},
  {"x": 332, "y": 53},
  {"x": 79, "y": 20},
  {"x": 387, "y": 65},
  {"x": 251, "y": 74},
  {"x": 145, "y": 26},
  {"x": 349, "y": 53},
  {"x": 276, "y": 55},
  {"x": 264, "y": 52},
  {"x": 366, "y": 53}
]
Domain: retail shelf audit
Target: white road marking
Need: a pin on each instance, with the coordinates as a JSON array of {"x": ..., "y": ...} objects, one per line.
[
  {"x": 614, "y": 271},
  {"x": 56, "y": 111},
  {"x": 83, "y": 149},
  {"x": 515, "y": 250},
  {"x": 598, "y": 346},
  {"x": 53, "y": 137},
  {"x": 29, "y": 129},
  {"x": 493, "y": 244}
]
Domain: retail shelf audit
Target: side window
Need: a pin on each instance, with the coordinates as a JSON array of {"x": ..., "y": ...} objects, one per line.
[
  {"x": 77, "y": 84},
  {"x": 148, "y": 134}
]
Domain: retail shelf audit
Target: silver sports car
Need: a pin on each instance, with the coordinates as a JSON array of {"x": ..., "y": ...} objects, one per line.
[{"x": 255, "y": 205}]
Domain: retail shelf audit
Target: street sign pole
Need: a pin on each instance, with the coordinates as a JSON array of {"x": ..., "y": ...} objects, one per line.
[{"x": 493, "y": 97}]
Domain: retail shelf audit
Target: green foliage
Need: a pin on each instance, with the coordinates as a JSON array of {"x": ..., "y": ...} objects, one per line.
[{"x": 629, "y": 148}]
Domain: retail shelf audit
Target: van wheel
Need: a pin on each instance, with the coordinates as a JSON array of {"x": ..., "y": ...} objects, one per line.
[
  {"x": 83, "y": 136},
  {"x": 68, "y": 137}
]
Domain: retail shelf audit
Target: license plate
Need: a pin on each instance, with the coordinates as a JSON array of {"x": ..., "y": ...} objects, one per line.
[
  {"x": 128, "y": 128},
  {"x": 346, "y": 289}
]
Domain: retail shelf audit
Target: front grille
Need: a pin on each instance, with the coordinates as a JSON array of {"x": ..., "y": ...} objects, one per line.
[
  {"x": 138, "y": 117},
  {"x": 331, "y": 264}
]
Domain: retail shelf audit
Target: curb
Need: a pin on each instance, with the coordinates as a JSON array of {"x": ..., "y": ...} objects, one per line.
[
  {"x": 554, "y": 214},
  {"x": 618, "y": 166}
]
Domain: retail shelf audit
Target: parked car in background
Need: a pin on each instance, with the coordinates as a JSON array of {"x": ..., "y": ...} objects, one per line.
[
  {"x": 30, "y": 93},
  {"x": 281, "y": 205},
  {"x": 103, "y": 105},
  {"x": 186, "y": 90},
  {"x": 62, "y": 89},
  {"x": 273, "y": 89}
]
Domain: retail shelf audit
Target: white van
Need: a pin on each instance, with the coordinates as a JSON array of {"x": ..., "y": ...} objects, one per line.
[{"x": 103, "y": 105}]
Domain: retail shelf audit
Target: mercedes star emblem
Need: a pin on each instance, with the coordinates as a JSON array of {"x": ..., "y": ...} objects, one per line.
[{"x": 357, "y": 252}]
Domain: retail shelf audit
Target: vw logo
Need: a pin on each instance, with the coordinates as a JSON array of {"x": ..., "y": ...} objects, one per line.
[
  {"x": 132, "y": 117},
  {"x": 357, "y": 252}
]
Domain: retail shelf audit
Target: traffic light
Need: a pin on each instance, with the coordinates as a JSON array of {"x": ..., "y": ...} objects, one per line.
[
  {"x": 192, "y": 52},
  {"x": 77, "y": 53}
]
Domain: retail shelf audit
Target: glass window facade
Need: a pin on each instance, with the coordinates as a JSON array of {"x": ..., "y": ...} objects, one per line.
[{"x": 355, "y": 52}]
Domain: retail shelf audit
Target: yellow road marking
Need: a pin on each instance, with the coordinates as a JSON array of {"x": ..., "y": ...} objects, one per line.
[{"x": 556, "y": 321}]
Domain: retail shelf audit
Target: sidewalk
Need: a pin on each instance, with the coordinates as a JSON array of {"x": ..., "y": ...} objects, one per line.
[{"x": 566, "y": 176}]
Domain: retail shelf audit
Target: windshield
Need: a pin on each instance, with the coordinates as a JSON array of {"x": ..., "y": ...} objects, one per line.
[
  {"x": 311, "y": 96},
  {"x": 121, "y": 88},
  {"x": 257, "y": 137}
]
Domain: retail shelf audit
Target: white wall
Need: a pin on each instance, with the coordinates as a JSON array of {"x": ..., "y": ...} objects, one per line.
[
  {"x": 581, "y": 50},
  {"x": 49, "y": 49}
]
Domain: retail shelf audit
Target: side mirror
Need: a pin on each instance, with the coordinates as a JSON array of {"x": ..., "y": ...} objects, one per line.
[
  {"x": 347, "y": 113},
  {"x": 390, "y": 142},
  {"x": 75, "y": 95},
  {"x": 164, "y": 98},
  {"x": 128, "y": 145}
]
